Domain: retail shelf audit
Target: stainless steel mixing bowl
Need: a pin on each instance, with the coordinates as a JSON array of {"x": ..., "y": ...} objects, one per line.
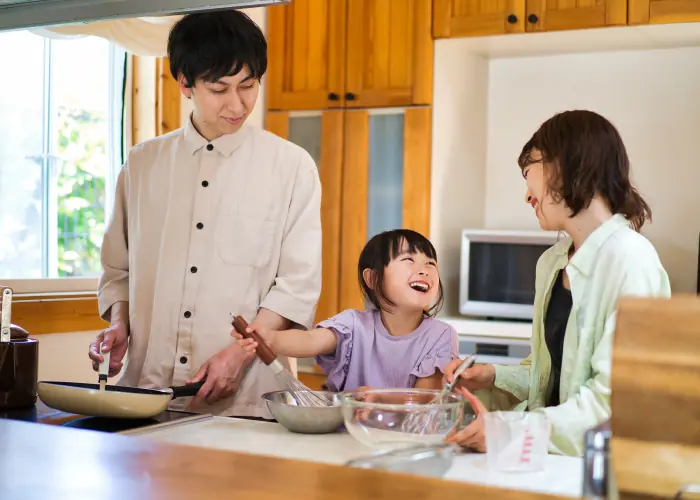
[{"x": 305, "y": 419}]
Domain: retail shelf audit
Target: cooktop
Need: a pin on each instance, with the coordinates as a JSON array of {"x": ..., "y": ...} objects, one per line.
[{"x": 41, "y": 414}]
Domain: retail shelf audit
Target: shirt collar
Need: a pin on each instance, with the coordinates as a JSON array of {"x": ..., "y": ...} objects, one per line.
[
  {"x": 584, "y": 257},
  {"x": 226, "y": 144}
]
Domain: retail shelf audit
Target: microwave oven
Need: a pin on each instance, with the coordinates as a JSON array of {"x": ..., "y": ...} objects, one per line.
[{"x": 497, "y": 271}]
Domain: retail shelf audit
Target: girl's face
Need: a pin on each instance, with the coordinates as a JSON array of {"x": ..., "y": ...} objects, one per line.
[
  {"x": 411, "y": 281},
  {"x": 551, "y": 216}
]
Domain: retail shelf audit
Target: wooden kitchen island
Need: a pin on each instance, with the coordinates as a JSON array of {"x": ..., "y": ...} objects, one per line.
[{"x": 53, "y": 462}]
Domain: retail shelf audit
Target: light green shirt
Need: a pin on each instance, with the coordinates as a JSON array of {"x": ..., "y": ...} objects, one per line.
[{"x": 614, "y": 261}]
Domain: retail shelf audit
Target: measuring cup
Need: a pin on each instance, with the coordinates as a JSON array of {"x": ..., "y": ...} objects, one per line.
[{"x": 516, "y": 441}]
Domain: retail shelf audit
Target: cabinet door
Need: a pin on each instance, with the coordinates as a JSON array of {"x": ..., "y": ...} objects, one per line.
[
  {"x": 663, "y": 11},
  {"x": 460, "y": 18},
  {"x": 321, "y": 134},
  {"x": 389, "y": 53},
  {"x": 555, "y": 15},
  {"x": 386, "y": 183},
  {"x": 306, "y": 52}
]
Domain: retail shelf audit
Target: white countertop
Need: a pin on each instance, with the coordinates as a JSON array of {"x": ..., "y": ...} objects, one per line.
[{"x": 562, "y": 475}]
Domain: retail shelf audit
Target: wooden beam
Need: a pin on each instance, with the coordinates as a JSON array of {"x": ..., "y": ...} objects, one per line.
[{"x": 167, "y": 98}]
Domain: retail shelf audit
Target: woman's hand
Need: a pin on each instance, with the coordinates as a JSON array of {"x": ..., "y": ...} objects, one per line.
[
  {"x": 473, "y": 436},
  {"x": 475, "y": 378}
]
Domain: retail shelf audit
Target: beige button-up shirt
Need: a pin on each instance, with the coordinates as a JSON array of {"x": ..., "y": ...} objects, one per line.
[{"x": 203, "y": 230}]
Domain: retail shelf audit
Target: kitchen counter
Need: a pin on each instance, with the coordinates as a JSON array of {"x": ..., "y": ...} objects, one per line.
[
  {"x": 46, "y": 461},
  {"x": 562, "y": 475}
]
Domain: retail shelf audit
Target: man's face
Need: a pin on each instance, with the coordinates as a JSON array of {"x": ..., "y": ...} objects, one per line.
[{"x": 222, "y": 107}]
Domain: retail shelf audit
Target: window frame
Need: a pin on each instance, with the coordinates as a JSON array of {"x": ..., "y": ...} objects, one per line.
[{"x": 117, "y": 124}]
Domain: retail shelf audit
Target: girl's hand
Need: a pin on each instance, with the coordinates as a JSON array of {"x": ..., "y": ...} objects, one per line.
[
  {"x": 473, "y": 435},
  {"x": 249, "y": 345},
  {"x": 475, "y": 378}
]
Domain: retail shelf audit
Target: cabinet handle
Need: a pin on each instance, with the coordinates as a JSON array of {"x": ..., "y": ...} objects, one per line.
[
  {"x": 532, "y": 18},
  {"x": 512, "y": 19},
  {"x": 349, "y": 96},
  {"x": 333, "y": 96}
]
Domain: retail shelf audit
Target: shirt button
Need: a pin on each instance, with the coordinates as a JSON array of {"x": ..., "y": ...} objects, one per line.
[
  {"x": 205, "y": 183},
  {"x": 193, "y": 269},
  {"x": 210, "y": 147},
  {"x": 200, "y": 225},
  {"x": 183, "y": 359},
  {"x": 187, "y": 314}
]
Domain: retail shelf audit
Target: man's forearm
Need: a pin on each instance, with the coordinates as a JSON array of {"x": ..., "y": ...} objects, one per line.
[{"x": 119, "y": 314}]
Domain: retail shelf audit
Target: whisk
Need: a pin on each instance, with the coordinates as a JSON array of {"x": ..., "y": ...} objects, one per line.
[
  {"x": 419, "y": 422},
  {"x": 302, "y": 394}
]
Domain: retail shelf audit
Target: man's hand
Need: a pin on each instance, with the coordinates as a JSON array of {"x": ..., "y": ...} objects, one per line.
[
  {"x": 223, "y": 372},
  {"x": 116, "y": 341}
]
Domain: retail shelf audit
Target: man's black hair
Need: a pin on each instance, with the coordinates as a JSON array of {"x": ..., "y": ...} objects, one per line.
[{"x": 211, "y": 45}]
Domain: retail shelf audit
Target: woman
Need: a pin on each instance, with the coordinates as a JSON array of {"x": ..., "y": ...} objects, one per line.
[{"x": 577, "y": 174}]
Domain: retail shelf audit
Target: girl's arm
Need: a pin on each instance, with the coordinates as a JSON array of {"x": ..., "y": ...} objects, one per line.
[
  {"x": 293, "y": 343},
  {"x": 433, "y": 381}
]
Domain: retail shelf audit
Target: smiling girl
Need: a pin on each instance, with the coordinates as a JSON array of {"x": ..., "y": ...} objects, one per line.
[
  {"x": 395, "y": 343},
  {"x": 578, "y": 181}
]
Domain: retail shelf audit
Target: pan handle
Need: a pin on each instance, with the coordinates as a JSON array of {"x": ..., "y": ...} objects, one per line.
[{"x": 184, "y": 391}]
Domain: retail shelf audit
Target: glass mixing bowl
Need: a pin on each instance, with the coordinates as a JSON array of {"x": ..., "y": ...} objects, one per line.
[{"x": 391, "y": 419}]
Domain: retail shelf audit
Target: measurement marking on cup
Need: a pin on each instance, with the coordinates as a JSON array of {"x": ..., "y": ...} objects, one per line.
[{"x": 527, "y": 447}]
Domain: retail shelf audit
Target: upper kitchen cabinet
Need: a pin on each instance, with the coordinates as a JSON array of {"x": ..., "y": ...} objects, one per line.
[
  {"x": 306, "y": 55},
  {"x": 663, "y": 11},
  {"x": 389, "y": 53},
  {"x": 349, "y": 53},
  {"x": 455, "y": 18},
  {"x": 458, "y": 18}
]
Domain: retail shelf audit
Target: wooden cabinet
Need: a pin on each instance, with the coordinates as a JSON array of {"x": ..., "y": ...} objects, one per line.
[
  {"x": 663, "y": 11},
  {"x": 455, "y": 18},
  {"x": 374, "y": 167},
  {"x": 386, "y": 184},
  {"x": 321, "y": 134},
  {"x": 327, "y": 54}
]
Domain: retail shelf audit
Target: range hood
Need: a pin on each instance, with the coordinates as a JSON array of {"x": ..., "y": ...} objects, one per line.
[{"x": 22, "y": 14}]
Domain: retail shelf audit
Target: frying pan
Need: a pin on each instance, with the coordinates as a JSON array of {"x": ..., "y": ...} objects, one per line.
[{"x": 112, "y": 402}]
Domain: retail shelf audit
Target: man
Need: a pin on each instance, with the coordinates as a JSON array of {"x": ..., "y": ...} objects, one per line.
[{"x": 211, "y": 220}]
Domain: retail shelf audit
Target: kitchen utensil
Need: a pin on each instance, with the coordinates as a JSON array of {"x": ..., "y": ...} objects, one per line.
[
  {"x": 420, "y": 422},
  {"x": 375, "y": 416},
  {"x": 516, "y": 440},
  {"x": 19, "y": 360},
  {"x": 302, "y": 418},
  {"x": 112, "y": 401},
  {"x": 104, "y": 368},
  {"x": 431, "y": 461},
  {"x": 304, "y": 395}
]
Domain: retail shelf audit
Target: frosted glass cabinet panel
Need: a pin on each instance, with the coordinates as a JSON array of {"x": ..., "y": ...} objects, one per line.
[{"x": 385, "y": 179}]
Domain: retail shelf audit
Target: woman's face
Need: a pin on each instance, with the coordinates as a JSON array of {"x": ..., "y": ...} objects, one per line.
[{"x": 551, "y": 216}]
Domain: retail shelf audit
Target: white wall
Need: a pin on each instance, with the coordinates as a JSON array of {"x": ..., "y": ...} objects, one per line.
[
  {"x": 257, "y": 117},
  {"x": 651, "y": 96}
]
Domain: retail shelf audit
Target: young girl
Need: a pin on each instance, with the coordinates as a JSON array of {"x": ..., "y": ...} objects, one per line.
[
  {"x": 578, "y": 181},
  {"x": 394, "y": 344}
]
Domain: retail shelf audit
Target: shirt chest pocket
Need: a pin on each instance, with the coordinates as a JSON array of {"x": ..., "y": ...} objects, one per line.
[{"x": 246, "y": 238}]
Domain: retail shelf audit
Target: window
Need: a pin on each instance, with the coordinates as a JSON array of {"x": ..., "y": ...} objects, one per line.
[{"x": 61, "y": 147}]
